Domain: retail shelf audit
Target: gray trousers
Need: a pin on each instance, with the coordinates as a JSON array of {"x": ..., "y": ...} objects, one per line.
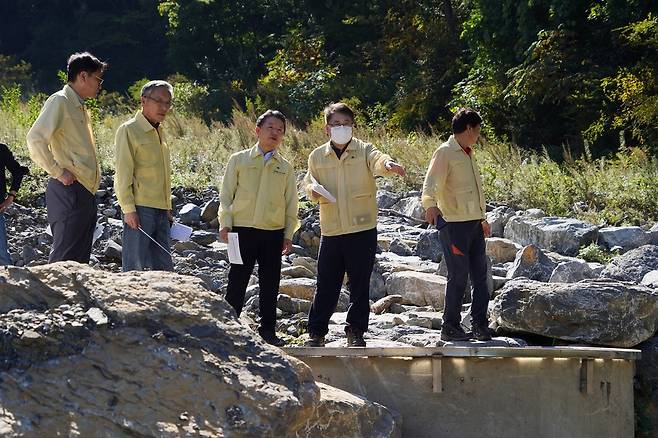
[
  {"x": 72, "y": 218},
  {"x": 138, "y": 252}
]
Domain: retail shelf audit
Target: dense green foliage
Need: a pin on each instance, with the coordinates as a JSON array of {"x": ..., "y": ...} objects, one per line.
[{"x": 545, "y": 73}]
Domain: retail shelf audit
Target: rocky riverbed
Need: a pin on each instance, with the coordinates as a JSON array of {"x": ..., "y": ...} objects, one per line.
[{"x": 542, "y": 293}]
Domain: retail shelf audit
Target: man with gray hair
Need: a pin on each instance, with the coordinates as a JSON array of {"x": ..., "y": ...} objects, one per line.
[{"x": 142, "y": 182}]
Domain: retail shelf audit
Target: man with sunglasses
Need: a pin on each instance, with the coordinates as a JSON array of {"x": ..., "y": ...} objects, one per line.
[
  {"x": 142, "y": 182},
  {"x": 62, "y": 143}
]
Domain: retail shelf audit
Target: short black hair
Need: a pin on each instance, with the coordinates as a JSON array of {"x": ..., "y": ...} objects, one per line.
[
  {"x": 271, "y": 113},
  {"x": 339, "y": 107},
  {"x": 463, "y": 118},
  {"x": 83, "y": 61}
]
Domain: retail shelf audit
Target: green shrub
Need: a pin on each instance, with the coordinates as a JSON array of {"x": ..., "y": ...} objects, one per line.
[{"x": 594, "y": 253}]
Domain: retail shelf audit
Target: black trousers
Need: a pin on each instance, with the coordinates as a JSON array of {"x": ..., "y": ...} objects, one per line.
[
  {"x": 465, "y": 253},
  {"x": 353, "y": 253},
  {"x": 72, "y": 218},
  {"x": 264, "y": 247}
]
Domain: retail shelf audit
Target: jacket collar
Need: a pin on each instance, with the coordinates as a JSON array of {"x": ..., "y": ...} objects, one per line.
[
  {"x": 143, "y": 123},
  {"x": 454, "y": 144},
  {"x": 352, "y": 145},
  {"x": 256, "y": 152},
  {"x": 72, "y": 96}
]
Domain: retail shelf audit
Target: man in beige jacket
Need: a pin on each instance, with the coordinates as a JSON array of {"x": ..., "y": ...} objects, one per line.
[
  {"x": 346, "y": 167},
  {"x": 61, "y": 142},
  {"x": 453, "y": 197},
  {"x": 258, "y": 201}
]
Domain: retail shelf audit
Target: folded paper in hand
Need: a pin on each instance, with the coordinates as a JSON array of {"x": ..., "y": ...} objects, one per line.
[
  {"x": 320, "y": 190},
  {"x": 234, "y": 255},
  {"x": 180, "y": 232}
]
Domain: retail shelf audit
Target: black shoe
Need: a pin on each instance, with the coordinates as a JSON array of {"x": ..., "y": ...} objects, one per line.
[
  {"x": 450, "y": 332},
  {"x": 481, "y": 332},
  {"x": 314, "y": 340},
  {"x": 355, "y": 339},
  {"x": 271, "y": 338}
]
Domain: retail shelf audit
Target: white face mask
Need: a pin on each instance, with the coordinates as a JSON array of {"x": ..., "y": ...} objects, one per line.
[{"x": 341, "y": 134}]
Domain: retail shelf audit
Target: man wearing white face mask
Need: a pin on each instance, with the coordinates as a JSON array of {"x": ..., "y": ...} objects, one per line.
[{"x": 346, "y": 167}]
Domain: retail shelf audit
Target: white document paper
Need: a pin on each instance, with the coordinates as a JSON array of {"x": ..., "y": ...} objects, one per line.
[
  {"x": 180, "y": 232},
  {"x": 320, "y": 190},
  {"x": 234, "y": 255}
]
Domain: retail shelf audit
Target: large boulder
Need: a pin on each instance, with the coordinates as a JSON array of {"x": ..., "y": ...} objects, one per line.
[
  {"x": 429, "y": 245},
  {"x": 562, "y": 235},
  {"x": 633, "y": 265},
  {"x": 89, "y": 353},
  {"x": 602, "y": 312},
  {"x": 626, "y": 238},
  {"x": 418, "y": 288},
  {"x": 532, "y": 263}
]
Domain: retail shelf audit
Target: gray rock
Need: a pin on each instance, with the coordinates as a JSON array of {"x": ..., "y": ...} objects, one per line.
[
  {"x": 571, "y": 272},
  {"x": 203, "y": 237},
  {"x": 210, "y": 210},
  {"x": 534, "y": 213},
  {"x": 73, "y": 367},
  {"x": 341, "y": 414},
  {"x": 386, "y": 199},
  {"x": 418, "y": 288},
  {"x": 502, "y": 250},
  {"x": 297, "y": 271},
  {"x": 399, "y": 247},
  {"x": 190, "y": 214},
  {"x": 292, "y": 305},
  {"x": 498, "y": 218},
  {"x": 651, "y": 279},
  {"x": 562, "y": 235},
  {"x": 654, "y": 234},
  {"x": 602, "y": 312},
  {"x": 633, "y": 265},
  {"x": 303, "y": 288},
  {"x": 377, "y": 286},
  {"x": 112, "y": 250},
  {"x": 499, "y": 282},
  {"x": 429, "y": 245},
  {"x": 410, "y": 206},
  {"x": 625, "y": 237},
  {"x": 307, "y": 262},
  {"x": 97, "y": 315},
  {"x": 532, "y": 263},
  {"x": 383, "y": 304}
]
